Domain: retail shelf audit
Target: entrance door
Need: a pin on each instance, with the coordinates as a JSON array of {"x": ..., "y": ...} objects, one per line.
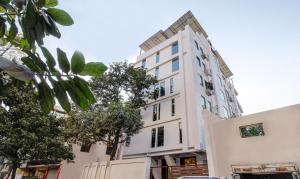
[{"x": 164, "y": 169}]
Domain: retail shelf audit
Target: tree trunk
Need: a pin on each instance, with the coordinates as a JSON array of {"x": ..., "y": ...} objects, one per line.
[
  {"x": 115, "y": 146},
  {"x": 14, "y": 170}
]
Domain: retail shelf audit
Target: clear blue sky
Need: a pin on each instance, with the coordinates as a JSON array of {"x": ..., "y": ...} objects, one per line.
[{"x": 259, "y": 39}]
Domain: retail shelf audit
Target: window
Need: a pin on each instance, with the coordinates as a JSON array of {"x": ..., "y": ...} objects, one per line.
[
  {"x": 158, "y": 111},
  {"x": 180, "y": 132},
  {"x": 108, "y": 150},
  {"x": 202, "y": 52},
  {"x": 144, "y": 63},
  {"x": 173, "y": 107},
  {"x": 171, "y": 85},
  {"x": 156, "y": 72},
  {"x": 154, "y": 115},
  {"x": 222, "y": 95},
  {"x": 156, "y": 91},
  {"x": 162, "y": 88},
  {"x": 199, "y": 61},
  {"x": 203, "y": 102},
  {"x": 175, "y": 64},
  {"x": 85, "y": 147},
  {"x": 209, "y": 106},
  {"x": 127, "y": 142},
  {"x": 201, "y": 80},
  {"x": 157, "y": 57},
  {"x": 153, "y": 137},
  {"x": 174, "y": 48},
  {"x": 204, "y": 66},
  {"x": 196, "y": 43},
  {"x": 252, "y": 130},
  {"x": 160, "y": 136}
]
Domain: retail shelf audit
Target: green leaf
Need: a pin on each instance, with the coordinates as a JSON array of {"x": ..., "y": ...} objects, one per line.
[
  {"x": 49, "y": 58},
  {"x": 63, "y": 61},
  {"x": 37, "y": 60},
  {"x": 12, "y": 31},
  {"x": 51, "y": 3},
  {"x": 30, "y": 64},
  {"x": 61, "y": 95},
  {"x": 40, "y": 3},
  {"x": 94, "y": 69},
  {"x": 77, "y": 62},
  {"x": 76, "y": 95},
  {"x": 2, "y": 27},
  {"x": 45, "y": 97},
  {"x": 60, "y": 16},
  {"x": 84, "y": 87}
]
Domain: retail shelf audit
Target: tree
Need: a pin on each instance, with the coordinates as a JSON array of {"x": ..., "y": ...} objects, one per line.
[
  {"x": 26, "y": 133},
  {"x": 23, "y": 25},
  {"x": 121, "y": 92}
]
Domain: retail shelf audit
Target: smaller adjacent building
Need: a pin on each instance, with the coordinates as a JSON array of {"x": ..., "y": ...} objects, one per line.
[{"x": 261, "y": 145}]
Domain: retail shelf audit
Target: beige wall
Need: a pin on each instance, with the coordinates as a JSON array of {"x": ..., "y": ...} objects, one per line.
[
  {"x": 73, "y": 170},
  {"x": 119, "y": 169},
  {"x": 280, "y": 144}
]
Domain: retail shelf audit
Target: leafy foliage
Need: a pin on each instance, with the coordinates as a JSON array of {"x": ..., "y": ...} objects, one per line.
[
  {"x": 120, "y": 94},
  {"x": 26, "y": 133},
  {"x": 24, "y": 24}
]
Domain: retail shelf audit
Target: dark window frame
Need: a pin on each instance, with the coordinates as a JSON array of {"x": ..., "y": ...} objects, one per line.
[
  {"x": 175, "y": 64},
  {"x": 175, "y": 48},
  {"x": 153, "y": 138},
  {"x": 160, "y": 136},
  {"x": 173, "y": 107}
]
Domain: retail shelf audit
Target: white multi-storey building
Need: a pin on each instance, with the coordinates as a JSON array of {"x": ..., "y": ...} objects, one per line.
[{"x": 192, "y": 76}]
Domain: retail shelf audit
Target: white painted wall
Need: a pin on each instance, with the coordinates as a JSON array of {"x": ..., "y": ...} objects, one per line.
[{"x": 187, "y": 93}]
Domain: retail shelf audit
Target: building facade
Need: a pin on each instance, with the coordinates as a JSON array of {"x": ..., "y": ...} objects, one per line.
[{"x": 192, "y": 76}]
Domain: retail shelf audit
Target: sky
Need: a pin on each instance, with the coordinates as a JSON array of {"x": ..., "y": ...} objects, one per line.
[{"x": 258, "y": 39}]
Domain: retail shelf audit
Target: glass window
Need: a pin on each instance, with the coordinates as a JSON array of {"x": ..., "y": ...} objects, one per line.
[
  {"x": 171, "y": 85},
  {"x": 156, "y": 72},
  {"x": 156, "y": 91},
  {"x": 204, "y": 66},
  {"x": 174, "y": 48},
  {"x": 153, "y": 137},
  {"x": 175, "y": 64},
  {"x": 157, "y": 57},
  {"x": 173, "y": 107},
  {"x": 197, "y": 46},
  {"x": 162, "y": 88},
  {"x": 85, "y": 147},
  {"x": 209, "y": 106},
  {"x": 160, "y": 136},
  {"x": 199, "y": 61},
  {"x": 222, "y": 95},
  {"x": 201, "y": 80},
  {"x": 180, "y": 132},
  {"x": 144, "y": 63},
  {"x": 203, "y": 102},
  {"x": 154, "y": 116},
  {"x": 158, "y": 111},
  {"x": 202, "y": 52}
]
